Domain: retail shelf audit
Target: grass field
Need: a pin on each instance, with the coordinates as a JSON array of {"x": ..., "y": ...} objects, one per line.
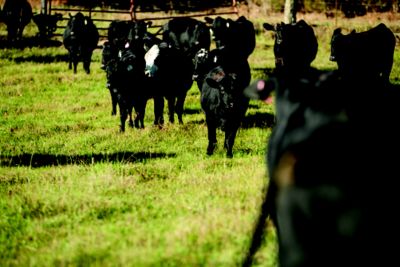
[{"x": 76, "y": 192}]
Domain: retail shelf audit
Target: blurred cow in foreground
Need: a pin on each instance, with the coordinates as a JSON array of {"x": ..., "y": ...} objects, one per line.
[
  {"x": 80, "y": 38},
  {"x": 364, "y": 54},
  {"x": 16, "y": 14},
  {"x": 335, "y": 192},
  {"x": 331, "y": 193}
]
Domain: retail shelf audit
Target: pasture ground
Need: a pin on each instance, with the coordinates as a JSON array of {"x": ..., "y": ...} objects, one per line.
[{"x": 76, "y": 192}]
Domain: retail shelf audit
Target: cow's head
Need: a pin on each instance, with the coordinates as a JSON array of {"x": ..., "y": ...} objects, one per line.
[
  {"x": 76, "y": 23},
  {"x": 339, "y": 43},
  {"x": 295, "y": 44},
  {"x": 336, "y": 39},
  {"x": 220, "y": 30}
]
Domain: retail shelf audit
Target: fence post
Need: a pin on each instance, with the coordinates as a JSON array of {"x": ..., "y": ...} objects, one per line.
[
  {"x": 43, "y": 7},
  {"x": 290, "y": 11},
  {"x": 132, "y": 10}
]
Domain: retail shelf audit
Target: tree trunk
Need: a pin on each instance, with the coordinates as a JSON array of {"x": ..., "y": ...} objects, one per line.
[{"x": 290, "y": 11}]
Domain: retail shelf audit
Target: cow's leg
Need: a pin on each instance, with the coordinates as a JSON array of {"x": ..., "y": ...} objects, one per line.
[
  {"x": 114, "y": 100},
  {"x": 75, "y": 62},
  {"x": 140, "y": 110},
  {"x": 70, "y": 58},
  {"x": 212, "y": 135},
  {"x": 158, "y": 110},
  {"x": 130, "y": 123},
  {"x": 86, "y": 61},
  {"x": 230, "y": 135},
  {"x": 171, "y": 108},
  {"x": 123, "y": 113},
  {"x": 179, "y": 107}
]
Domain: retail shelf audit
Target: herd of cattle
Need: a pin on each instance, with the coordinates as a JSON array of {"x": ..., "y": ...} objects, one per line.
[
  {"x": 332, "y": 153},
  {"x": 332, "y": 156}
]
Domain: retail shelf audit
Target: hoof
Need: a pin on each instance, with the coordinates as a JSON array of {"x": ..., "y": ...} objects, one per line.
[{"x": 211, "y": 148}]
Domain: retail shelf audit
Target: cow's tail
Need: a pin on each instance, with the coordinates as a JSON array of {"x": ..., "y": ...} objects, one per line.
[{"x": 267, "y": 210}]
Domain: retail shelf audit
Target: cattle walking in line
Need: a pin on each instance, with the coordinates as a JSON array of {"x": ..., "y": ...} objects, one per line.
[
  {"x": 364, "y": 54},
  {"x": 80, "y": 38},
  {"x": 16, "y": 14}
]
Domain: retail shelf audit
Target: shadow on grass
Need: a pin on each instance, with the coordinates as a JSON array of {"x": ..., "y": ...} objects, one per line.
[
  {"x": 43, "y": 160},
  {"x": 28, "y": 42},
  {"x": 42, "y": 59},
  {"x": 192, "y": 111},
  {"x": 258, "y": 120}
]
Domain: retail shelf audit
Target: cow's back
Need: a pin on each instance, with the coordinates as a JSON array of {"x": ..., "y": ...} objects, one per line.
[
  {"x": 16, "y": 14},
  {"x": 364, "y": 54},
  {"x": 187, "y": 35}
]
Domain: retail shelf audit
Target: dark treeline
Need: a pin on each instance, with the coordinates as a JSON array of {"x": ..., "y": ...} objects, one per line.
[
  {"x": 350, "y": 8},
  {"x": 154, "y": 5}
]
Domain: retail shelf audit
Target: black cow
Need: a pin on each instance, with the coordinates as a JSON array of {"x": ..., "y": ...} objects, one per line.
[
  {"x": 16, "y": 14},
  {"x": 364, "y": 54},
  {"x": 170, "y": 63},
  {"x": 118, "y": 32},
  {"x": 123, "y": 60},
  {"x": 333, "y": 177},
  {"x": 187, "y": 35},
  {"x": 236, "y": 35},
  {"x": 80, "y": 38},
  {"x": 222, "y": 98},
  {"x": 295, "y": 45},
  {"x": 47, "y": 24}
]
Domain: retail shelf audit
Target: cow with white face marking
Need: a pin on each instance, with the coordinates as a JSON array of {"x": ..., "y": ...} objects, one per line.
[{"x": 170, "y": 63}]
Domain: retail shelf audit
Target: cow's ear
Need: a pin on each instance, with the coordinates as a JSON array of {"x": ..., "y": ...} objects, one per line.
[
  {"x": 337, "y": 31},
  {"x": 70, "y": 15},
  {"x": 261, "y": 89},
  {"x": 353, "y": 32},
  {"x": 209, "y": 20},
  {"x": 302, "y": 23},
  {"x": 268, "y": 27},
  {"x": 149, "y": 23}
]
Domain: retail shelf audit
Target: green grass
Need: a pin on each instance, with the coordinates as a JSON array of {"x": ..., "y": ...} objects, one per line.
[{"x": 74, "y": 191}]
